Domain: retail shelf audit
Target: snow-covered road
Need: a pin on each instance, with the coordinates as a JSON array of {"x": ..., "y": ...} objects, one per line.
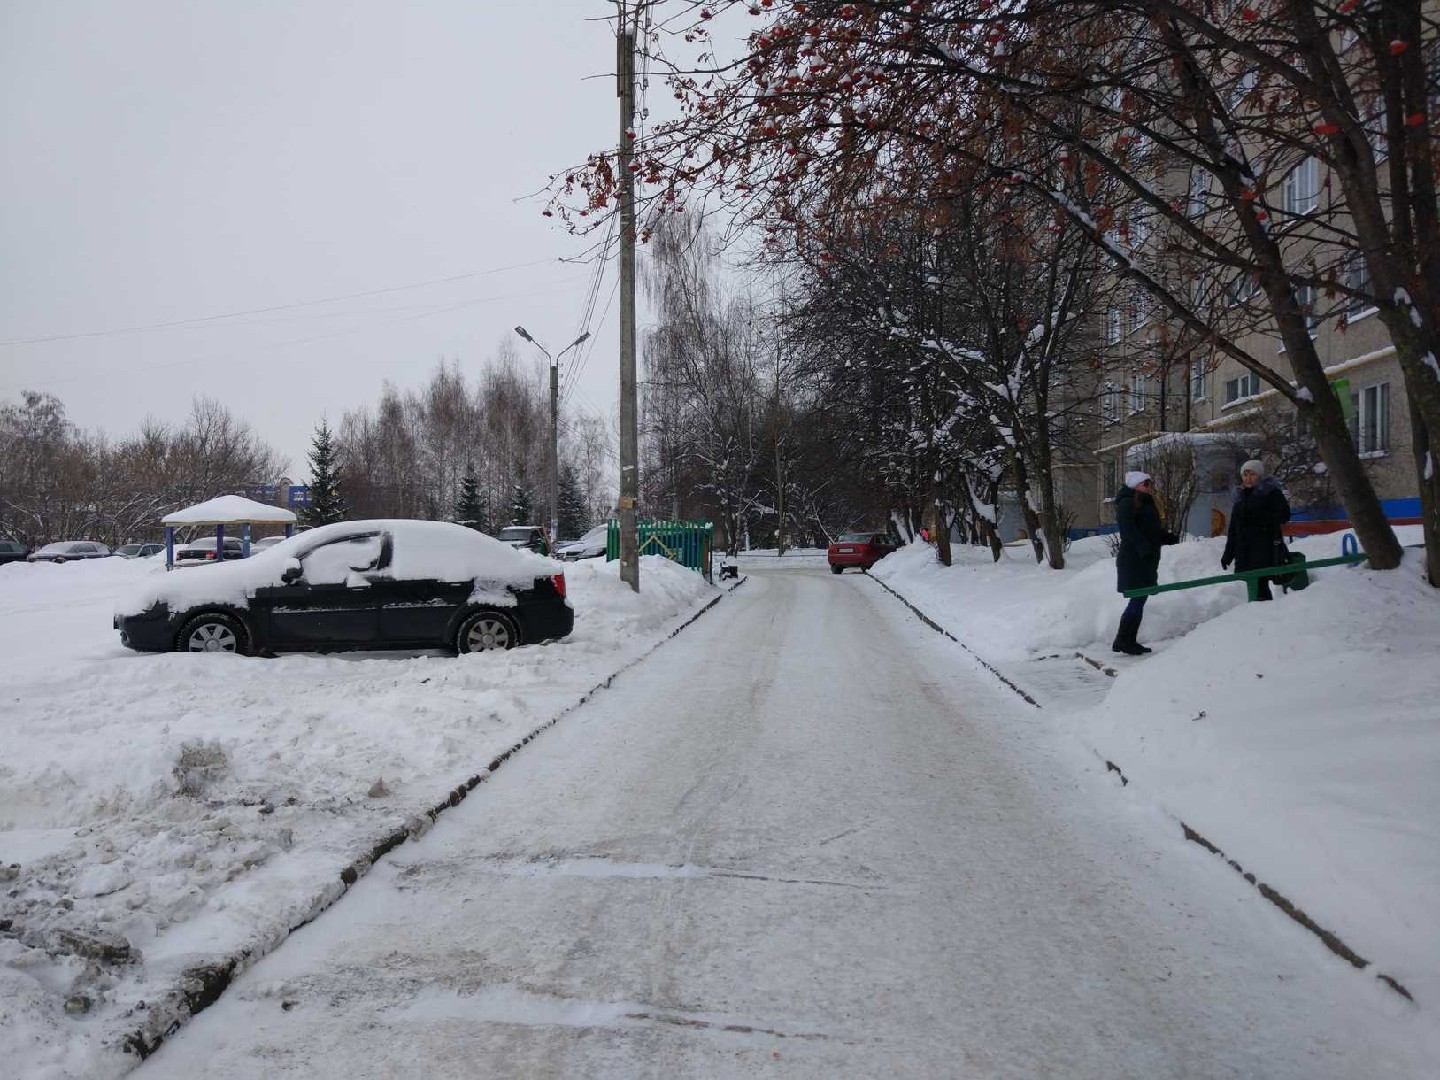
[{"x": 807, "y": 837}]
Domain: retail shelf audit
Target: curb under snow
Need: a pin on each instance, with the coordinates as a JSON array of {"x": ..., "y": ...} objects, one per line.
[
  {"x": 1329, "y": 938},
  {"x": 201, "y": 985}
]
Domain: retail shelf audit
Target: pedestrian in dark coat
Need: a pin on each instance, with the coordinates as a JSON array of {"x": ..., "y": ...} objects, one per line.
[
  {"x": 1137, "y": 564},
  {"x": 1254, "y": 540}
]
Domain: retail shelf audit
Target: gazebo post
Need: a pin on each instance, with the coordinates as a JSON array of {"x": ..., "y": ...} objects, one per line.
[
  {"x": 245, "y": 540},
  {"x": 169, "y": 547},
  {"x": 290, "y": 530},
  {"x": 219, "y": 543}
]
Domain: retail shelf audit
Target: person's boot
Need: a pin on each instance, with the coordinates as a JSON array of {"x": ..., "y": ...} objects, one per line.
[{"x": 1125, "y": 637}]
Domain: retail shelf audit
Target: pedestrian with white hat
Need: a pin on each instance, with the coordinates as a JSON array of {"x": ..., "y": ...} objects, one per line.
[
  {"x": 1137, "y": 564},
  {"x": 1254, "y": 540}
]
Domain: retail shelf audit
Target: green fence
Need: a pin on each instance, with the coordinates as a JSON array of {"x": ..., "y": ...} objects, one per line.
[{"x": 684, "y": 542}]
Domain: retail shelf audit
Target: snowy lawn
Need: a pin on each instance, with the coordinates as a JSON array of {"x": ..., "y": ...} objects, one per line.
[
  {"x": 163, "y": 811},
  {"x": 1302, "y": 737}
]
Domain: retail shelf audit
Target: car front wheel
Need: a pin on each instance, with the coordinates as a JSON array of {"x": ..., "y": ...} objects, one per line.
[
  {"x": 213, "y": 633},
  {"x": 487, "y": 630}
]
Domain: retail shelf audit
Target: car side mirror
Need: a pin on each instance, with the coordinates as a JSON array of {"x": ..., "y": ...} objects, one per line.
[{"x": 291, "y": 573}]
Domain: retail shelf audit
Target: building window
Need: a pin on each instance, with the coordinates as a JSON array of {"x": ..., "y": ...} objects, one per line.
[
  {"x": 1138, "y": 228},
  {"x": 1110, "y": 403},
  {"x": 1137, "y": 393},
  {"x": 1114, "y": 326},
  {"x": 1112, "y": 476},
  {"x": 1242, "y": 386},
  {"x": 1199, "y": 189},
  {"x": 1372, "y": 116},
  {"x": 1198, "y": 380},
  {"x": 1302, "y": 187},
  {"x": 1355, "y": 276},
  {"x": 1139, "y": 311},
  {"x": 1305, "y": 301},
  {"x": 1242, "y": 87},
  {"x": 1371, "y": 425},
  {"x": 1239, "y": 289}
]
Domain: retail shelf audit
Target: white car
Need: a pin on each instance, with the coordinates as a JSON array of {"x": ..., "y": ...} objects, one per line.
[{"x": 590, "y": 546}]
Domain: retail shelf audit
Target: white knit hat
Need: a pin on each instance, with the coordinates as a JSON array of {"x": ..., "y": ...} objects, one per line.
[
  {"x": 1135, "y": 479},
  {"x": 1254, "y": 465}
]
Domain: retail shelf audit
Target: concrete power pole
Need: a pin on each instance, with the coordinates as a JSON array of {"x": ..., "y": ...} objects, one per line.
[
  {"x": 554, "y": 457},
  {"x": 629, "y": 431}
]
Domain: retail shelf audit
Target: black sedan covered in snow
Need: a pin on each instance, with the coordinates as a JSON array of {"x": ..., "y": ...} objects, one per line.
[{"x": 356, "y": 585}]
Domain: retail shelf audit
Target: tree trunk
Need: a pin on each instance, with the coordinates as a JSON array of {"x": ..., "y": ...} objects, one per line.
[
  {"x": 1342, "y": 462},
  {"x": 991, "y": 537},
  {"x": 1022, "y": 492},
  {"x": 942, "y": 526},
  {"x": 1427, "y": 472},
  {"x": 1045, "y": 478}
]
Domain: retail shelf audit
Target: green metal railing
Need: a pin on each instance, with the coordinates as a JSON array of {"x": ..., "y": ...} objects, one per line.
[
  {"x": 1250, "y": 577},
  {"x": 684, "y": 542}
]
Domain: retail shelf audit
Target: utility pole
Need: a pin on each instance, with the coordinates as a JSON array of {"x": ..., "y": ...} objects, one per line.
[
  {"x": 554, "y": 426},
  {"x": 629, "y": 432}
]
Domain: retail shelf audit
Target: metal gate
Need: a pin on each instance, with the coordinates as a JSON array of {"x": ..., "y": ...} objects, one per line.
[{"x": 684, "y": 542}]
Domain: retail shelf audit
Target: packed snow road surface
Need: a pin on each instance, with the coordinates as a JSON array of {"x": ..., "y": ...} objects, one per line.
[{"x": 807, "y": 838}]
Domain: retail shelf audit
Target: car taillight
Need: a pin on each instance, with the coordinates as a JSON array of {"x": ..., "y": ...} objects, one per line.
[{"x": 558, "y": 580}]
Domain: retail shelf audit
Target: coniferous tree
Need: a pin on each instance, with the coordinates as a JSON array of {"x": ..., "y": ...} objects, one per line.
[
  {"x": 326, "y": 503},
  {"x": 468, "y": 509},
  {"x": 573, "y": 517},
  {"x": 522, "y": 509}
]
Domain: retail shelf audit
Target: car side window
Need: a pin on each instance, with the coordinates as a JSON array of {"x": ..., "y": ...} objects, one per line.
[{"x": 342, "y": 561}]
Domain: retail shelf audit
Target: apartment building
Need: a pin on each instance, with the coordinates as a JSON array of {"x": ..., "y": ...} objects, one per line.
[{"x": 1163, "y": 401}]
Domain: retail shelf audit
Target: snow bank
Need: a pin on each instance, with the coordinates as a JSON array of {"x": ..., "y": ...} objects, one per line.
[
  {"x": 156, "y": 810},
  {"x": 1302, "y": 737}
]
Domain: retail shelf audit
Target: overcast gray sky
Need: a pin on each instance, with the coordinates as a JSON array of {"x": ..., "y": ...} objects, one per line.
[{"x": 173, "y": 160}]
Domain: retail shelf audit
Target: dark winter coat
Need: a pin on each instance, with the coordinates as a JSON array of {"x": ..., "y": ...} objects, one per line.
[
  {"x": 1141, "y": 537},
  {"x": 1254, "y": 539}
]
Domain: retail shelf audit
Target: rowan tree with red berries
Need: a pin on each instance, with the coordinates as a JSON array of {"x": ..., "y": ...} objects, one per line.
[{"x": 1181, "y": 117}]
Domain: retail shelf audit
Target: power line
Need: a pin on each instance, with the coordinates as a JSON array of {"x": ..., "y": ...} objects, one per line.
[
  {"x": 579, "y": 368},
  {"x": 274, "y": 307},
  {"x": 229, "y": 355}
]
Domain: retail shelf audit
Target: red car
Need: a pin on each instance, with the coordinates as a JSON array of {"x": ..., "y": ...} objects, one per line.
[{"x": 858, "y": 549}]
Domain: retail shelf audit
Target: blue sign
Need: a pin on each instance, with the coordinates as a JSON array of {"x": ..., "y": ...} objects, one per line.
[{"x": 298, "y": 495}]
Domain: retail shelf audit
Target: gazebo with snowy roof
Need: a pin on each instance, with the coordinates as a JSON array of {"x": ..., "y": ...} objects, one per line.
[{"x": 220, "y": 512}]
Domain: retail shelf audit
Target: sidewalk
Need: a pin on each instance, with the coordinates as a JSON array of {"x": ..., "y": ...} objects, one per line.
[{"x": 1300, "y": 738}]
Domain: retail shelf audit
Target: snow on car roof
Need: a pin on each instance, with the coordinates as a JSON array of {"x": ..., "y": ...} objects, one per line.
[{"x": 429, "y": 550}]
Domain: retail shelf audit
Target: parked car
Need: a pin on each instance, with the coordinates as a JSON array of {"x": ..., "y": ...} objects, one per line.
[
  {"x": 12, "y": 551},
  {"x": 69, "y": 551},
  {"x": 265, "y": 543},
  {"x": 858, "y": 549},
  {"x": 590, "y": 546},
  {"x": 139, "y": 551},
  {"x": 202, "y": 552},
  {"x": 523, "y": 536},
  {"x": 357, "y": 585}
]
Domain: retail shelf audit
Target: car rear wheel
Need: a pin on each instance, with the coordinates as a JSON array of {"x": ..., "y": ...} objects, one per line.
[
  {"x": 215, "y": 632},
  {"x": 486, "y": 630},
  {"x": 837, "y": 569}
]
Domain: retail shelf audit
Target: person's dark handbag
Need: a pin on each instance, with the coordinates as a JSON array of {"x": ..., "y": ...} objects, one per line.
[
  {"x": 1300, "y": 579},
  {"x": 1297, "y": 580}
]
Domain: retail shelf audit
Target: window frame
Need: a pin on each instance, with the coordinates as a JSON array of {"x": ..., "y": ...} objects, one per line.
[
  {"x": 1199, "y": 381},
  {"x": 1370, "y": 427},
  {"x": 1246, "y": 386},
  {"x": 1300, "y": 201}
]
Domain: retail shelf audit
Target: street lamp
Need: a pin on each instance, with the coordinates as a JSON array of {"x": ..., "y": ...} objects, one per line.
[{"x": 554, "y": 426}]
